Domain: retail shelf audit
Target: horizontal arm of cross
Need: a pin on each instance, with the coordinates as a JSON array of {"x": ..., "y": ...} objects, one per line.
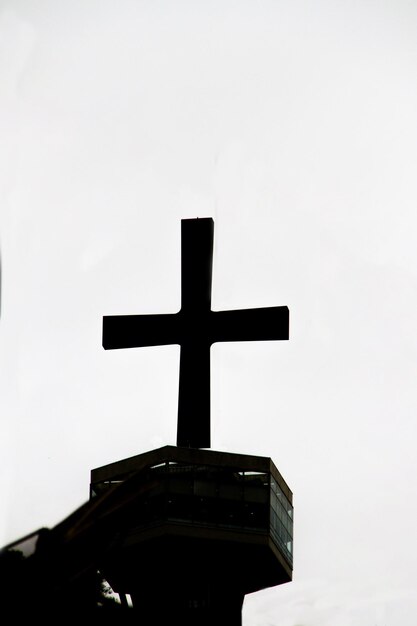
[
  {"x": 264, "y": 324},
  {"x": 134, "y": 331}
]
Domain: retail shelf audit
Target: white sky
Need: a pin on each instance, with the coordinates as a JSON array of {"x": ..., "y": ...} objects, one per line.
[{"x": 292, "y": 124}]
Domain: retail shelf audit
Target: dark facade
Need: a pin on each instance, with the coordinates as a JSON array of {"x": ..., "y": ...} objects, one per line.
[
  {"x": 204, "y": 529},
  {"x": 184, "y": 531}
]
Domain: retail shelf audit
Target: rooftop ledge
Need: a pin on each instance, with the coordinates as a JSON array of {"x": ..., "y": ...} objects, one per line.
[{"x": 123, "y": 469}]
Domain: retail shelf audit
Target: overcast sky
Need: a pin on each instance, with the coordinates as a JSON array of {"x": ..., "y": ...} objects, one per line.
[{"x": 293, "y": 125}]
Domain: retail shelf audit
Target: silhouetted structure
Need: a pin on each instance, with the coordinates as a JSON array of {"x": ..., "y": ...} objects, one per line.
[
  {"x": 195, "y": 327},
  {"x": 185, "y": 532},
  {"x": 218, "y": 525},
  {"x": 203, "y": 529}
]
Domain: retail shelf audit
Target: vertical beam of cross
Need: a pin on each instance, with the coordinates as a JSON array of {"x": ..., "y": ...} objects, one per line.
[
  {"x": 195, "y": 328},
  {"x": 194, "y": 386}
]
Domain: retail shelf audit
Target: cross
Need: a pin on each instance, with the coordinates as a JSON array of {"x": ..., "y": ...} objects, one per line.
[{"x": 195, "y": 327}]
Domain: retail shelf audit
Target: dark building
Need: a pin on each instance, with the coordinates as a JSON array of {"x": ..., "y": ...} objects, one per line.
[
  {"x": 186, "y": 532},
  {"x": 208, "y": 527},
  {"x": 205, "y": 529}
]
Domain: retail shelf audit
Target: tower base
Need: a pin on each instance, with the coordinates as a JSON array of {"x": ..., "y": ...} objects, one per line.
[{"x": 198, "y": 531}]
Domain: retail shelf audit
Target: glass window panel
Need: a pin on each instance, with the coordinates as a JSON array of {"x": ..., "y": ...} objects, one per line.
[
  {"x": 230, "y": 491},
  {"x": 180, "y": 484},
  {"x": 205, "y": 488},
  {"x": 256, "y": 493}
]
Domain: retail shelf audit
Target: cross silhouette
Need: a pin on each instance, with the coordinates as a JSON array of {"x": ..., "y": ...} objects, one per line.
[{"x": 195, "y": 327}]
